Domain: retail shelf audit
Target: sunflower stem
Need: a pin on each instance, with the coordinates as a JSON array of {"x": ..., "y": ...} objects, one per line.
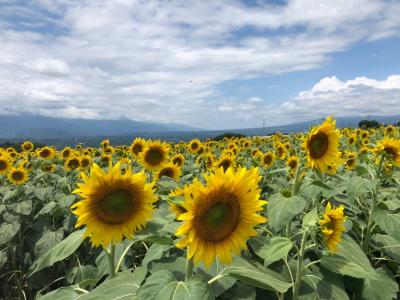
[
  {"x": 373, "y": 206},
  {"x": 189, "y": 268},
  {"x": 295, "y": 189},
  {"x": 299, "y": 269},
  {"x": 111, "y": 260}
]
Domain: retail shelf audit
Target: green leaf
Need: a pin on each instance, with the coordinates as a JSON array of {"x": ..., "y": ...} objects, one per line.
[
  {"x": 162, "y": 285},
  {"x": 261, "y": 278},
  {"x": 389, "y": 245},
  {"x": 62, "y": 250},
  {"x": 241, "y": 292},
  {"x": 223, "y": 283},
  {"x": 272, "y": 249},
  {"x": 350, "y": 260},
  {"x": 381, "y": 287},
  {"x": 155, "y": 252},
  {"x": 23, "y": 207},
  {"x": 3, "y": 257},
  {"x": 389, "y": 222},
  {"x": 7, "y": 232},
  {"x": 63, "y": 293},
  {"x": 321, "y": 185},
  {"x": 310, "y": 219},
  {"x": 48, "y": 240},
  {"x": 357, "y": 186},
  {"x": 282, "y": 210},
  {"x": 122, "y": 287}
]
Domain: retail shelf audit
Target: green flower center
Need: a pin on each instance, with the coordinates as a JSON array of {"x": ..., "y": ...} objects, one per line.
[
  {"x": 116, "y": 207},
  {"x": 318, "y": 145}
]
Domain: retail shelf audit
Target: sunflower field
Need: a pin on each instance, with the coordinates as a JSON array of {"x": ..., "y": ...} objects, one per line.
[{"x": 312, "y": 215}]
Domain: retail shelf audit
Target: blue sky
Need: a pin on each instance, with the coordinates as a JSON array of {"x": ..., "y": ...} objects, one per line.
[{"x": 209, "y": 64}]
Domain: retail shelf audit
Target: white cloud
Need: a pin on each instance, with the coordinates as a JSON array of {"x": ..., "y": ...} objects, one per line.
[{"x": 164, "y": 60}]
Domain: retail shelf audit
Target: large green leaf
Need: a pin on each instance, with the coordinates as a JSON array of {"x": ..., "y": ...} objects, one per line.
[
  {"x": 388, "y": 245},
  {"x": 389, "y": 222},
  {"x": 155, "y": 252},
  {"x": 258, "y": 277},
  {"x": 356, "y": 186},
  {"x": 48, "y": 240},
  {"x": 63, "y": 293},
  {"x": 22, "y": 207},
  {"x": 350, "y": 260},
  {"x": 381, "y": 287},
  {"x": 162, "y": 285},
  {"x": 7, "y": 232},
  {"x": 281, "y": 210},
  {"x": 272, "y": 249},
  {"x": 62, "y": 250},
  {"x": 122, "y": 287}
]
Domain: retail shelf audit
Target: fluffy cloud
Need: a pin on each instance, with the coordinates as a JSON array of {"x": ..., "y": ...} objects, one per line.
[{"x": 164, "y": 60}]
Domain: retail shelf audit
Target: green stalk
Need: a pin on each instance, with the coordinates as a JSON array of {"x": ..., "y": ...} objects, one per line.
[
  {"x": 189, "y": 268},
  {"x": 299, "y": 269},
  {"x": 111, "y": 260},
  {"x": 294, "y": 193},
  {"x": 373, "y": 205}
]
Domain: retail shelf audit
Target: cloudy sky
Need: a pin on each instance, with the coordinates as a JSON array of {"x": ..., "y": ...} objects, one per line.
[{"x": 209, "y": 64}]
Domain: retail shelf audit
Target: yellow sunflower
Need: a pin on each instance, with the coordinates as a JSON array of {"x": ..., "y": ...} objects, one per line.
[
  {"x": 220, "y": 215},
  {"x": 292, "y": 163},
  {"x": 113, "y": 205},
  {"x": 72, "y": 163},
  {"x": 390, "y": 147},
  {"x": 194, "y": 145},
  {"x": 280, "y": 150},
  {"x": 225, "y": 161},
  {"x": 85, "y": 161},
  {"x": 350, "y": 162},
  {"x": 332, "y": 226},
  {"x": 169, "y": 170},
  {"x": 137, "y": 147},
  {"x": 27, "y": 146},
  {"x": 17, "y": 176},
  {"x": 268, "y": 159},
  {"x": 5, "y": 165},
  {"x": 176, "y": 206},
  {"x": 66, "y": 153},
  {"x": 154, "y": 155},
  {"x": 49, "y": 168},
  {"x": 352, "y": 139},
  {"x": 389, "y": 130},
  {"x": 321, "y": 146},
  {"x": 178, "y": 160},
  {"x": 46, "y": 153}
]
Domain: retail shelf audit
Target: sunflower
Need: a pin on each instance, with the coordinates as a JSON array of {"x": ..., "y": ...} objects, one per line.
[
  {"x": 174, "y": 205},
  {"x": 268, "y": 159},
  {"x": 352, "y": 139},
  {"x": 292, "y": 163},
  {"x": 178, "y": 160},
  {"x": 66, "y": 153},
  {"x": 5, "y": 165},
  {"x": 332, "y": 226},
  {"x": 154, "y": 155},
  {"x": 226, "y": 161},
  {"x": 350, "y": 162},
  {"x": 85, "y": 161},
  {"x": 137, "y": 147},
  {"x": 113, "y": 205},
  {"x": 389, "y": 130},
  {"x": 194, "y": 145},
  {"x": 72, "y": 163},
  {"x": 169, "y": 170},
  {"x": 390, "y": 147},
  {"x": 17, "y": 176},
  {"x": 322, "y": 144},
  {"x": 27, "y": 146},
  {"x": 280, "y": 150},
  {"x": 46, "y": 153},
  {"x": 49, "y": 168},
  {"x": 364, "y": 134},
  {"x": 220, "y": 215}
]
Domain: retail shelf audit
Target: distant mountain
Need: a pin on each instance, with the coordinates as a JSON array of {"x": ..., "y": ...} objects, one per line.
[{"x": 39, "y": 127}]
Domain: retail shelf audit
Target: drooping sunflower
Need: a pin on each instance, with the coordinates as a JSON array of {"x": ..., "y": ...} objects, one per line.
[
  {"x": 72, "y": 163},
  {"x": 178, "y": 160},
  {"x": 154, "y": 155},
  {"x": 137, "y": 147},
  {"x": 114, "y": 205},
  {"x": 322, "y": 145},
  {"x": 169, "y": 170},
  {"x": 17, "y": 176},
  {"x": 27, "y": 146},
  {"x": 332, "y": 226},
  {"x": 220, "y": 215},
  {"x": 390, "y": 147},
  {"x": 268, "y": 159},
  {"x": 46, "y": 153}
]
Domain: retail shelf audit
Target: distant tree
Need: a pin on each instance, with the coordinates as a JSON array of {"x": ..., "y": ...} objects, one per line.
[
  {"x": 365, "y": 124},
  {"x": 228, "y": 135},
  {"x": 398, "y": 124}
]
